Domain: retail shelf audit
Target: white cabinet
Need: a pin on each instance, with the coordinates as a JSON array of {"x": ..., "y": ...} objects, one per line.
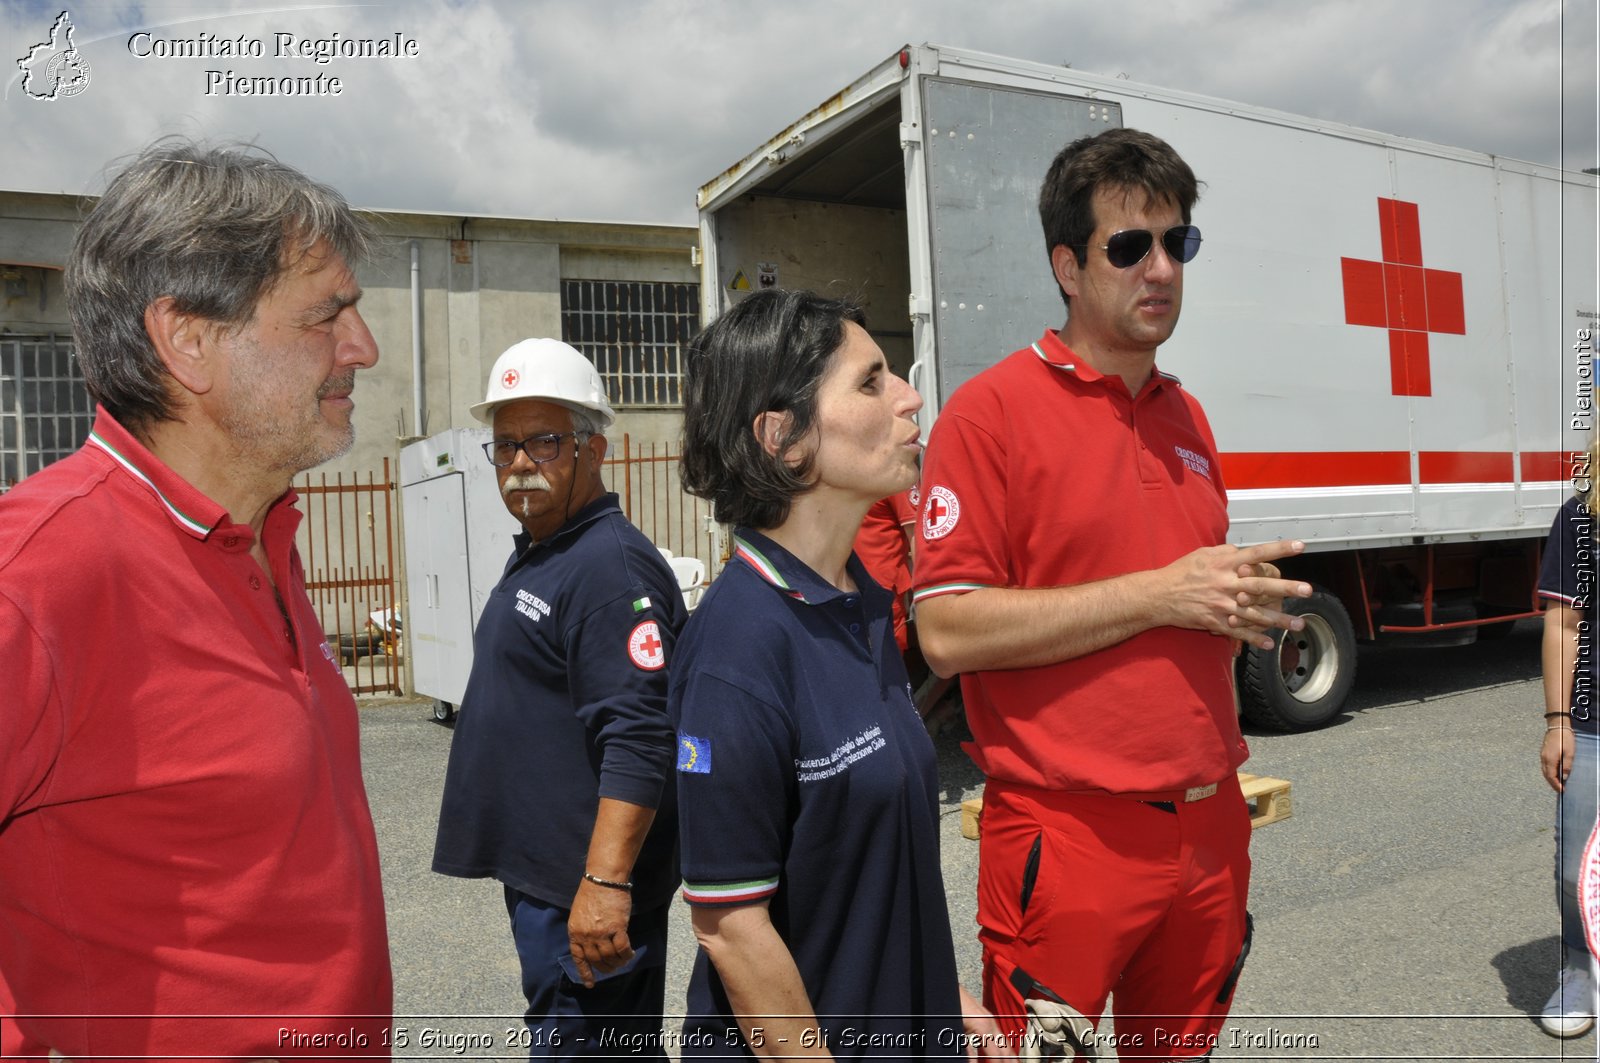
[{"x": 458, "y": 539}]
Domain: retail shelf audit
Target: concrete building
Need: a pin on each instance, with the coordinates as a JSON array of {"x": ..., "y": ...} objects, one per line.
[{"x": 627, "y": 295}]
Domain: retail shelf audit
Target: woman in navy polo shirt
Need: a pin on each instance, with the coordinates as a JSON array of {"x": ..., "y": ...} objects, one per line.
[
  {"x": 808, "y": 789},
  {"x": 1567, "y": 755}
]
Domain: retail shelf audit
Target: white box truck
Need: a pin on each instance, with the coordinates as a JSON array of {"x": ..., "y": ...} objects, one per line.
[{"x": 1391, "y": 338}]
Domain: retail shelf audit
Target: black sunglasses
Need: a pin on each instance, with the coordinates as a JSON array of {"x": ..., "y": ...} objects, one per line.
[{"x": 1128, "y": 247}]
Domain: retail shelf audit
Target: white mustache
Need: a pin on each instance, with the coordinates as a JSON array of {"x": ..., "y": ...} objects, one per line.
[{"x": 530, "y": 481}]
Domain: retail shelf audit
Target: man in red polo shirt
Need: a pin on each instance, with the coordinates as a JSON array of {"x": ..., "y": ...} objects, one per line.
[
  {"x": 187, "y": 863},
  {"x": 1071, "y": 568}
]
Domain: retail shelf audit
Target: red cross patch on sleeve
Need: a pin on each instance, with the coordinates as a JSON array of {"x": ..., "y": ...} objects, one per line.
[
  {"x": 644, "y": 647},
  {"x": 940, "y": 514}
]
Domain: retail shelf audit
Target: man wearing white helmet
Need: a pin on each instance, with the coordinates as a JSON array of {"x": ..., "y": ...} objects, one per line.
[{"x": 555, "y": 782}]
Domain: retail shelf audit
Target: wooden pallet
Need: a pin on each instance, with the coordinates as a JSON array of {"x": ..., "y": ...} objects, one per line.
[
  {"x": 970, "y": 811},
  {"x": 1267, "y": 798}
]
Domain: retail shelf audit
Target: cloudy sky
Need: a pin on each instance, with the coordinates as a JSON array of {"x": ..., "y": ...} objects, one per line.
[{"x": 620, "y": 109}]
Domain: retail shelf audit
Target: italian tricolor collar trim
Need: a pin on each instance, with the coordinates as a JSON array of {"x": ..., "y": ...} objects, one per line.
[
  {"x": 195, "y": 527},
  {"x": 1073, "y": 368},
  {"x": 1045, "y": 358},
  {"x": 747, "y": 553}
]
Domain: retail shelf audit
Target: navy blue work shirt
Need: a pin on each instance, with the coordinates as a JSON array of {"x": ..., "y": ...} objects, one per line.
[
  {"x": 566, "y": 704},
  {"x": 807, "y": 779},
  {"x": 1567, "y": 575}
]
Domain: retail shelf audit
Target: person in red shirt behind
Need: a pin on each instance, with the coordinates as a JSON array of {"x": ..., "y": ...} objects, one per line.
[
  {"x": 884, "y": 544},
  {"x": 1072, "y": 568},
  {"x": 188, "y": 866}
]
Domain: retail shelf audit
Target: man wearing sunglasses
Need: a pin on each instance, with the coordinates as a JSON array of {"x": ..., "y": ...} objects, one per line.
[
  {"x": 555, "y": 785},
  {"x": 1071, "y": 569}
]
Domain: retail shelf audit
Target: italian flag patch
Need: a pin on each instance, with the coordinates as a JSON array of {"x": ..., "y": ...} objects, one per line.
[{"x": 641, "y": 604}]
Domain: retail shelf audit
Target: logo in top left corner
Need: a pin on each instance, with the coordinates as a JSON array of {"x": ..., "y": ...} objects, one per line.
[{"x": 54, "y": 69}]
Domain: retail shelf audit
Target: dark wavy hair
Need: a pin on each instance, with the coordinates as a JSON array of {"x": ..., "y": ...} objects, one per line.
[
  {"x": 215, "y": 228},
  {"x": 1118, "y": 158},
  {"x": 768, "y": 353}
]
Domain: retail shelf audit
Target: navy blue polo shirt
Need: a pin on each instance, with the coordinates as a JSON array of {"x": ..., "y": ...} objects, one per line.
[
  {"x": 806, "y": 779},
  {"x": 566, "y": 704},
  {"x": 1567, "y": 575}
]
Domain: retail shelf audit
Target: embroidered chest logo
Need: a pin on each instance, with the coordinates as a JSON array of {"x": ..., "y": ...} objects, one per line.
[
  {"x": 864, "y": 744},
  {"x": 532, "y": 606},
  {"x": 1197, "y": 463},
  {"x": 644, "y": 647},
  {"x": 914, "y": 496},
  {"x": 939, "y": 516}
]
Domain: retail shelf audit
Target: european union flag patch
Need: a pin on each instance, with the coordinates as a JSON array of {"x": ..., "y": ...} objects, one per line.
[{"x": 694, "y": 754}]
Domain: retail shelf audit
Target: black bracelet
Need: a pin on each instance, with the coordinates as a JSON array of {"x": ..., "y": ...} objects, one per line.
[
  {"x": 1553, "y": 715},
  {"x": 607, "y": 883}
]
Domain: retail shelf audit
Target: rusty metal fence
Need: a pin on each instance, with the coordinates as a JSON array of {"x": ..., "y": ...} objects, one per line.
[
  {"x": 647, "y": 480},
  {"x": 348, "y": 543}
]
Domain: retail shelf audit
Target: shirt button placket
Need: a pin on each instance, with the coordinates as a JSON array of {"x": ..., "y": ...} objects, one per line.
[{"x": 854, "y": 625}]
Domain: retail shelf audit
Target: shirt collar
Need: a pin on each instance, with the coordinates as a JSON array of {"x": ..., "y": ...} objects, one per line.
[
  {"x": 788, "y": 573},
  {"x": 187, "y": 507},
  {"x": 585, "y": 516},
  {"x": 1057, "y": 355}
]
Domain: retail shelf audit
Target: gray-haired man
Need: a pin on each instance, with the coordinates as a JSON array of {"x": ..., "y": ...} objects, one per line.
[{"x": 187, "y": 861}]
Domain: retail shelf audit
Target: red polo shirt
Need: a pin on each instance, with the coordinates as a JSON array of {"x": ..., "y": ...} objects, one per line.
[
  {"x": 1041, "y": 472},
  {"x": 183, "y": 826},
  {"x": 881, "y": 542},
  {"x": 881, "y": 545}
]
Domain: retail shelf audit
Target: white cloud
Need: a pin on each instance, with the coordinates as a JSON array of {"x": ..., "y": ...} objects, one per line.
[{"x": 620, "y": 109}]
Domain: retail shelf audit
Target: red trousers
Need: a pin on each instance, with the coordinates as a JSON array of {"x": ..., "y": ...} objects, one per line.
[{"x": 1091, "y": 895}]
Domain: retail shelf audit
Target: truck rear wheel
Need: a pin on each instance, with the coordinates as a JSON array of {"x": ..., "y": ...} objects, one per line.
[{"x": 1302, "y": 682}]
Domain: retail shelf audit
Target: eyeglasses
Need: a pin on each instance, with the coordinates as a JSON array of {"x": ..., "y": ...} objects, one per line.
[
  {"x": 540, "y": 448},
  {"x": 1128, "y": 247}
]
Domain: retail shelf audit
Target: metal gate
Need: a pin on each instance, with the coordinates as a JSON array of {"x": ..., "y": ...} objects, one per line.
[
  {"x": 648, "y": 479},
  {"x": 347, "y": 543},
  {"x": 45, "y": 410}
]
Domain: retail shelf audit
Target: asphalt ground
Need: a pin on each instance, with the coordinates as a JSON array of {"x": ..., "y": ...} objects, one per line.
[{"x": 1405, "y": 911}]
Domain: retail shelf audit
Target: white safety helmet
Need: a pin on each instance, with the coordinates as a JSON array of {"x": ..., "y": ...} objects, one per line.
[{"x": 549, "y": 370}]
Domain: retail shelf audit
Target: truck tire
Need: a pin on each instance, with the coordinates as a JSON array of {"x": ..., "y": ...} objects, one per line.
[{"x": 1302, "y": 682}]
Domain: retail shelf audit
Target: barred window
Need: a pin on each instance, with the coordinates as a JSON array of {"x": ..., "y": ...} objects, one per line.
[
  {"x": 634, "y": 332},
  {"x": 45, "y": 410}
]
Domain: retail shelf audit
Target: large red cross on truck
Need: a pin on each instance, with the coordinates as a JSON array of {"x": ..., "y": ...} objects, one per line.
[{"x": 1403, "y": 296}]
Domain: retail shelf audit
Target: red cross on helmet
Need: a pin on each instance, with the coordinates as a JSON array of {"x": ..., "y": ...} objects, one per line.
[{"x": 545, "y": 369}]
